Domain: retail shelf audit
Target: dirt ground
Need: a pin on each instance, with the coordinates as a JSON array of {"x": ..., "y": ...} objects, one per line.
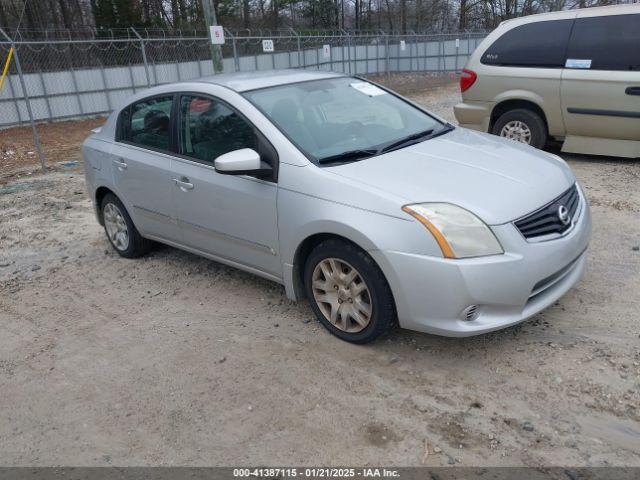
[
  {"x": 60, "y": 142},
  {"x": 177, "y": 360}
]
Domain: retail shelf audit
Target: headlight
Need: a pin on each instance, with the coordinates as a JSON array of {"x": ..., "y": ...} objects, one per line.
[{"x": 459, "y": 232}]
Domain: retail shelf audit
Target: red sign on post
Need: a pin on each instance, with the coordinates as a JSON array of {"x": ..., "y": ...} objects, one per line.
[{"x": 217, "y": 34}]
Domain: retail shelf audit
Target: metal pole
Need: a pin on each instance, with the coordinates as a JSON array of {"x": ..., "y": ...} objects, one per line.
[
  {"x": 74, "y": 81},
  {"x": 299, "y": 46},
  {"x": 349, "y": 51},
  {"x": 144, "y": 56},
  {"x": 12, "y": 95},
  {"x": 366, "y": 55},
  {"x": 236, "y": 60},
  {"x": 386, "y": 53},
  {"x": 46, "y": 95},
  {"x": 209, "y": 11},
  {"x": 106, "y": 88},
  {"x": 36, "y": 135}
]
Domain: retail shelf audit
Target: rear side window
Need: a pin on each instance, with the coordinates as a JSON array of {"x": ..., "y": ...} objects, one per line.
[
  {"x": 538, "y": 44},
  {"x": 147, "y": 123},
  {"x": 610, "y": 43}
]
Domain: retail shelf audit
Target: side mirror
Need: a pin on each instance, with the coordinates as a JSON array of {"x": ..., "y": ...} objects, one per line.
[{"x": 245, "y": 161}]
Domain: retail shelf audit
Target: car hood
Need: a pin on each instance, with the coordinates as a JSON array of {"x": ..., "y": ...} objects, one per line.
[{"x": 497, "y": 179}]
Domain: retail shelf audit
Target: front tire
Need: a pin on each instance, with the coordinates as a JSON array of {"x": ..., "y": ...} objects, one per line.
[
  {"x": 348, "y": 292},
  {"x": 522, "y": 125},
  {"x": 121, "y": 232}
]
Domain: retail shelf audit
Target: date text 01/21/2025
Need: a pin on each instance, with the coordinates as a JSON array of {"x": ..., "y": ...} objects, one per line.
[{"x": 317, "y": 472}]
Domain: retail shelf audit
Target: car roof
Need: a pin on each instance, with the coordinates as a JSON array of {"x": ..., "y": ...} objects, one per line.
[
  {"x": 578, "y": 12},
  {"x": 244, "y": 81}
]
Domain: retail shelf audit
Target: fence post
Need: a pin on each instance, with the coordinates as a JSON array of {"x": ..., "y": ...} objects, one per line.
[
  {"x": 236, "y": 60},
  {"x": 14, "y": 97},
  {"x": 74, "y": 80},
  {"x": 386, "y": 54},
  {"x": 349, "y": 50},
  {"x": 25, "y": 94},
  {"x": 299, "y": 46},
  {"x": 144, "y": 56},
  {"x": 455, "y": 69}
]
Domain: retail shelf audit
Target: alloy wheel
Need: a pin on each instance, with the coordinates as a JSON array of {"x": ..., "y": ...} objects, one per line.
[
  {"x": 342, "y": 295},
  {"x": 116, "y": 227},
  {"x": 517, "y": 130}
]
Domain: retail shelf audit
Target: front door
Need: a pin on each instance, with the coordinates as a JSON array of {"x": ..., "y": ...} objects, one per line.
[{"x": 231, "y": 217}]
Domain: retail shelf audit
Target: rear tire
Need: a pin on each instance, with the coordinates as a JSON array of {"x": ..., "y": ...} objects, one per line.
[
  {"x": 121, "y": 232},
  {"x": 348, "y": 292},
  {"x": 522, "y": 125}
]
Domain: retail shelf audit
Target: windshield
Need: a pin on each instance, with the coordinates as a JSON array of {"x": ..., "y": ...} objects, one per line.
[{"x": 343, "y": 119}]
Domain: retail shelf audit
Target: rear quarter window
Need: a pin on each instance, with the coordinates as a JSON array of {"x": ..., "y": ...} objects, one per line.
[
  {"x": 538, "y": 44},
  {"x": 611, "y": 43}
]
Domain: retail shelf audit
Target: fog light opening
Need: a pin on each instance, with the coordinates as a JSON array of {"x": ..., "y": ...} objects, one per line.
[{"x": 470, "y": 313}]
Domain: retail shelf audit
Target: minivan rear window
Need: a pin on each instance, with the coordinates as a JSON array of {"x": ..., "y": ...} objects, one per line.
[
  {"x": 611, "y": 43},
  {"x": 538, "y": 44}
]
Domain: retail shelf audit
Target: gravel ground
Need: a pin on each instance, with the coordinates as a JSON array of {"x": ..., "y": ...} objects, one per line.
[{"x": 177, "y": 360}]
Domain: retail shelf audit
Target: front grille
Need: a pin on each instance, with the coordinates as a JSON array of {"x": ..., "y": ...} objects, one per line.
[{"x": 546, "y": 220}]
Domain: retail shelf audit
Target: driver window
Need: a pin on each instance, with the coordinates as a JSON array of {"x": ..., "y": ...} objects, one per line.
[{"x": 209, "y": 128}]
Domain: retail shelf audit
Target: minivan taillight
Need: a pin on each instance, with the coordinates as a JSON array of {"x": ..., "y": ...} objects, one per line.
[{"x": 467, "y": 78}]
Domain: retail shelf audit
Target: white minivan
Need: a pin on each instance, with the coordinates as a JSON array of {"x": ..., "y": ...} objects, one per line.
[{"x": 572, "y": 76}]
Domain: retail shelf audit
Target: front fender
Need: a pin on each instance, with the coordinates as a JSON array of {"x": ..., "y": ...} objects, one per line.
[{"x": 301, "y": 216}]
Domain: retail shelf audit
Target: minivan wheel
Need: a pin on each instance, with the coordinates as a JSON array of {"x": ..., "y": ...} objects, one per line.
[
  {"x": 521, "y": 125},
  {"x": 348, "y": 292},
  {"x": 121, "y": 232}
]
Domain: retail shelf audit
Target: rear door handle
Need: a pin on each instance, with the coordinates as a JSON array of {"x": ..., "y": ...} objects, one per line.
[
  {"x": 120, "y": 163},
  {"x": 632, "y": 91},
  {"x": 183, "y": 183}
]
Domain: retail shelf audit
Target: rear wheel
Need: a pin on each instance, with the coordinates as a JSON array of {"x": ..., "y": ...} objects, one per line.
[
  {"x": 521, "y": 125},
  {"x": 348, "y": 292},
  {"x": 121, "y": 232}
]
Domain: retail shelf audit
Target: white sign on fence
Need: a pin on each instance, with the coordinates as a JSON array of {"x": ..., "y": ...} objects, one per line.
[
  {"x": 457, "y": 43},
  {"x": 326, "y": 51},
  {"x": 267, "y": 45},
  {"x": 403, "y": 45},
  {"x": 217, "y": 34}
]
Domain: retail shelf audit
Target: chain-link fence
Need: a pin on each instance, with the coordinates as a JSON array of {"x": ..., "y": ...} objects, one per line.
[{"x": 65, "y": 77}]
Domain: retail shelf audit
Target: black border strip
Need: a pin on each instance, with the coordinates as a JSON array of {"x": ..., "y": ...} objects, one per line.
[{"x": 605, "y": 113}]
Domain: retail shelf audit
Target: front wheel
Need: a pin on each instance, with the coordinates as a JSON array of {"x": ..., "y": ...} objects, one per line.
[
  {"x": 521, "y": 125},
  {"x": 348, "y": 292}
]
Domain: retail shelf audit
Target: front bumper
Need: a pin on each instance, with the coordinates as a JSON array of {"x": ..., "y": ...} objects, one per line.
[
  {"x": 474, "y": 115},
  {"x": 432, "y": 293}
]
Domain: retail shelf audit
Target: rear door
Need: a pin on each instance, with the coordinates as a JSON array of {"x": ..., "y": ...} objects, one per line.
[
  {"x": 601, "y": 82},
  {"x": 141, "y": 165}
]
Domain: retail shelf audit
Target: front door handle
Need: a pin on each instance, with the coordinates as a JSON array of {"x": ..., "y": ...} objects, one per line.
[
  {"x": 183, "y": 183},
  {"x": 632, "y": 91},
  {"x": 120, "y": 163}
]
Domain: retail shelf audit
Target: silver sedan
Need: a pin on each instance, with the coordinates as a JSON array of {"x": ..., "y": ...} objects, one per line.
[{"x": 375, "y": 210}]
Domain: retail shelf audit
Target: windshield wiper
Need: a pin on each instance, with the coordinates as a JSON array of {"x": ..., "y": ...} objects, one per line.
[
  {"x": 349, "y": 155},
  {"x": 372, "y": 152},
  {"x": 406, "y": 141},
  {"x": 416, "y": 138}
]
